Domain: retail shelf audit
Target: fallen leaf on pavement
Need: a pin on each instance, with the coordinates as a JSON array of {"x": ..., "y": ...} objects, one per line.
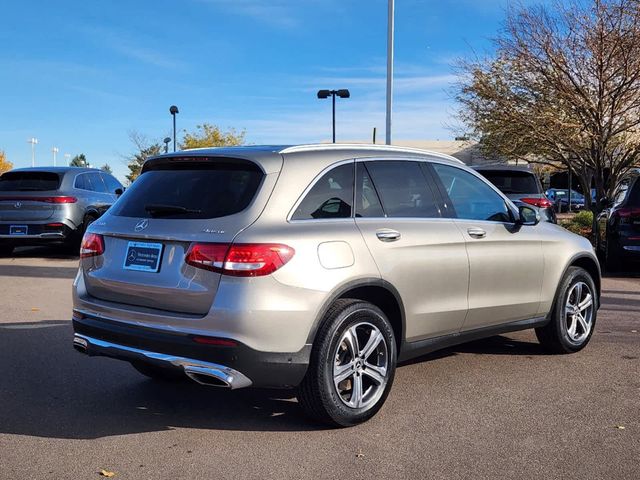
[
  {"x": 620, "y": 427},
  {"x": 35, "y": 309},
  {"x": 107, "y": 473}
]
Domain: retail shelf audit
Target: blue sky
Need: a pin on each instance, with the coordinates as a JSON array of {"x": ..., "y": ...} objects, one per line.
[{"x": 80, "y": 75}]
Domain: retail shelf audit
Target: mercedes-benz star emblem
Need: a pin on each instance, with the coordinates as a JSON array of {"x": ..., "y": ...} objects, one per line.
[
  {"x": 18, "y": 204},
  {"x": 141, "y": 225}
]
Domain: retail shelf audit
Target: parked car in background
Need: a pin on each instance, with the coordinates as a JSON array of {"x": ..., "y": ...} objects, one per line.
[
  {"x": 42, "y": 206},
  {"x": 319, "y": 267},
  {"x": 560, "y": 199},
  {"x": 521, "y": 186},
  {"x": 618, "y": 226}
]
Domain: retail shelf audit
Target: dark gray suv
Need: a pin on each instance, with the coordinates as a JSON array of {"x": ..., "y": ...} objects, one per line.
[{"x": 52, "y": 205}]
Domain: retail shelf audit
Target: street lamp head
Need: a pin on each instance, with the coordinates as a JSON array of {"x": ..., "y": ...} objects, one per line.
[
  {"x": 166, "y": 140},
  {"x": 343, "y": 93},
  {"x": 173, "y": 110},
  {"x": 324, "y": 93}
]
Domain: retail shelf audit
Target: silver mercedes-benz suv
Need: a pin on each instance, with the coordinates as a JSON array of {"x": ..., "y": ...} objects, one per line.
[
  {"x": 320, "y": 267},
  {"x": 52, "y": 205}
]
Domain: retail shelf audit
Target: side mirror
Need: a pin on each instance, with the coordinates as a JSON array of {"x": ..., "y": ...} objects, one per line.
[
  {"x": 527, "y": 216},
  {"x": 119, "y": 191}
]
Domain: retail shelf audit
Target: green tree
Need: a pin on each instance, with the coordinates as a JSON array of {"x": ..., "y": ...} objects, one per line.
[
  {"x": 78, "y": 161},
  {"x": 106, "y": 168},
  {"x": 144, "y": 149},
  {"x": 207, "y": 135}
]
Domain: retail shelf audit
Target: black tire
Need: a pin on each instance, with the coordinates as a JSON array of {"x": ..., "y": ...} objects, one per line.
[
  {"x": 318, "y": 395},
  {"x": 6, "y": 250},
  {"x": 158, "y": 373},
  {"x": 556, "y": 336}
]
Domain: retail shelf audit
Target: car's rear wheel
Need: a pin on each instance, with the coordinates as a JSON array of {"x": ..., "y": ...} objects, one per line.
[
  {"x": 6, "y": 250},
  {"x": 573, "y": 317},
  {"x": 352, "y": 365},
  {"x": 159, "y": 373}
]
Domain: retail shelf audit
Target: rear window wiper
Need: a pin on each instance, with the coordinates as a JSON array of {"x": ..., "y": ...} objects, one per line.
[{"x": 159, "y": 209}]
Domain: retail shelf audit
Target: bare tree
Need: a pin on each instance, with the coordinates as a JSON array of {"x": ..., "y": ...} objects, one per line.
[
  {"x": 145, "y": 148},
  {"x": 563, "y": 89}
]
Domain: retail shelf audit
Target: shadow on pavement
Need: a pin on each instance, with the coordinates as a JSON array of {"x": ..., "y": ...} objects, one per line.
[
  {"x": 50, "y": 390},
  {"x": 498, "y": 345},
  {"x": 37, "y": 272},
  {"x": 46, "y": 253}
]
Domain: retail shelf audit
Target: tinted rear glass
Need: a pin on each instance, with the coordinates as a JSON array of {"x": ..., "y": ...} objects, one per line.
[
  {"x": 211, "y": 190},
  {"x": 511, "y": 182},
  {"x": 29, "y": 181},
  {"x": 330, "y": 197}
]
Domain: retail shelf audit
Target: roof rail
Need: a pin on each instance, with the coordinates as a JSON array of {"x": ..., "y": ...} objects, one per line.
[{"x": 366, "y": 146}]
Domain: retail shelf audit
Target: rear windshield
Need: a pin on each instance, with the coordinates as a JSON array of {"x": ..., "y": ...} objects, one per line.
[
  {"x": 29, "y": 181},
  {"x": 202, "y": 191},
  {"x": 512, "y": 181}
]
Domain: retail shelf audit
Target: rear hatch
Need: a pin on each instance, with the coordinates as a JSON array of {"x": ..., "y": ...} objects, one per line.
[
  {"x": 29, "y": 196},
  {"x": 172, "y": 205},
  {"x": 518, "y": 186}
]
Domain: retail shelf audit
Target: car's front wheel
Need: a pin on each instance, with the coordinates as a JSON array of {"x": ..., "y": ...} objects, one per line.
[
  {"x": 573, "y": 317},
  {"x": 352, "y": 365}
]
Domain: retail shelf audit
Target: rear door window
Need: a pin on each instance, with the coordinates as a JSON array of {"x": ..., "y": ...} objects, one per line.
[
  {"x": 403, "y": 189},
  {"x": 634, "y": 195},
  {"x": 192, "y": 191},
  {"x": 29, "y": 181},
  {"x": 330, "y": 197},
  {"x": 367, "y": 200}
]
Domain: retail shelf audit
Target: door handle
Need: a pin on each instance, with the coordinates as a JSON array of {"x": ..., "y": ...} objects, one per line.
[
  {"x": 388, "y": 235},
  {"x": 476, "y": 232}
]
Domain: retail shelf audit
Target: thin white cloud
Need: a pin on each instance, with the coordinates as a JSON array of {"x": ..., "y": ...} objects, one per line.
[{"x": 125, "y": 45}]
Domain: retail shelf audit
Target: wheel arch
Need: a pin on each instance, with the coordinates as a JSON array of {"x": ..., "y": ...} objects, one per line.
[{"x": 375, "y": 291}]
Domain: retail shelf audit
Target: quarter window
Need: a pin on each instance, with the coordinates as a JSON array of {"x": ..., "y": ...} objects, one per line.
[
  {"x": 330, "y": 197},
  {"x": 471, "y": 198},
  {"x": 403, "y": 189}
]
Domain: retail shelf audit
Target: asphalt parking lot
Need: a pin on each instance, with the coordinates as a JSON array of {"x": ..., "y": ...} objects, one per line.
[{"x": 497, "y": 408}]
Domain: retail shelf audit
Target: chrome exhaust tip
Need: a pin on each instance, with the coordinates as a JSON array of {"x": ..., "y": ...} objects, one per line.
[
  {"x": 80, "y": 344},
  {"x": 209, "y": 376}
]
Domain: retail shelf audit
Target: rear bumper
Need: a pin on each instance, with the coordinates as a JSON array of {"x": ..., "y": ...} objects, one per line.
[
  {"x": 37, "y": 233},
  {"x": 236, "y": 366}
]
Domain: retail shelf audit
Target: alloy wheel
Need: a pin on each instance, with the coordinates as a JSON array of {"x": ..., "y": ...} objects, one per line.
[{"x": 360, "y": 371}]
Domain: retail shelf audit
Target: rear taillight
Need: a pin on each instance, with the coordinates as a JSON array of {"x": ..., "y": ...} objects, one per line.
[
  {"x": 626, "y": 212},
  {"x": 543, "y": 202},
  {"x": 240, "y": 260},
  {"x": 92, "y": 245}
]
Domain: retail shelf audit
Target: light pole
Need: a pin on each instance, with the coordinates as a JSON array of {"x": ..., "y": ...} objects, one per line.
[
  {"x": 33, "y": 141},
  {"x": 67, "y": 156},
  {"x": 55, "y": 151},
  {"x": 173, "y": 110},
  {"x": 390, "y": 29},
  {"x": 166, "y": 142},
  {"x": 342, "y": 93}
]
